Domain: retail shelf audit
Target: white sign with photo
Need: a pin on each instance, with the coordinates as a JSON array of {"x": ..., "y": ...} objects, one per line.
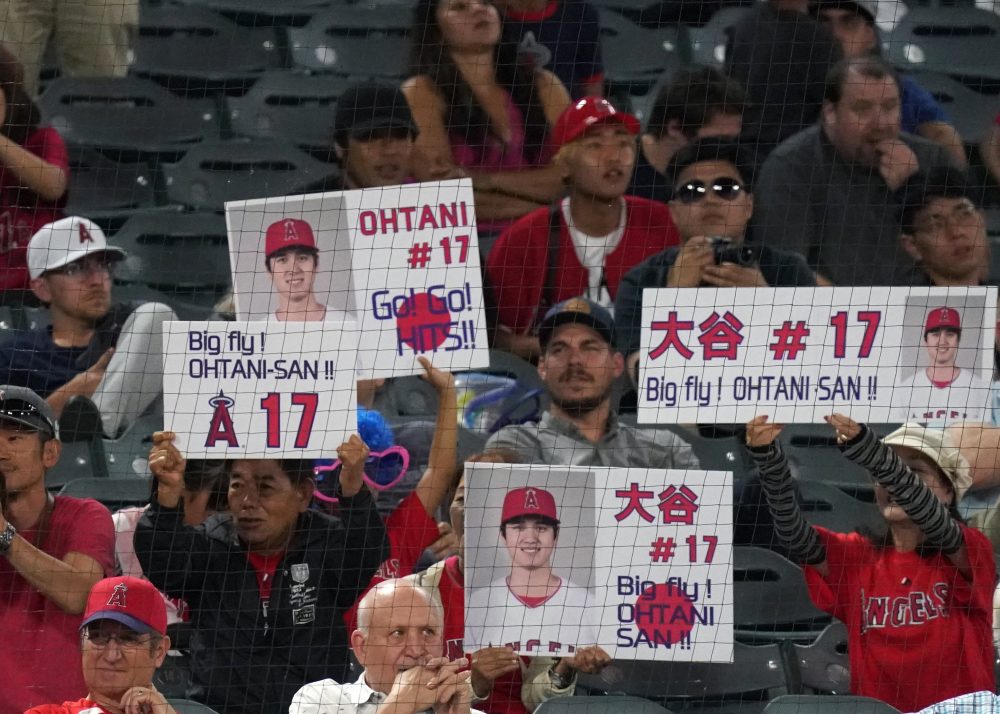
[
  {"x": 799, "y": 354},
  {"x": 259, "y": 389},
  {"x": 403, "y": 261},
  {"x": 633, "y": 560}
]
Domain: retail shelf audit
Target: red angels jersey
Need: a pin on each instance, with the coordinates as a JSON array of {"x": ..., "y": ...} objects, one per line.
[{"x": 81, "y": 706}]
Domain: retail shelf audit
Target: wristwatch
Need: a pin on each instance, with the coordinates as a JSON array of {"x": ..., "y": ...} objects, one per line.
[
  {"x": 7, "y": 537},
  {"x": 558, "y": 681}
]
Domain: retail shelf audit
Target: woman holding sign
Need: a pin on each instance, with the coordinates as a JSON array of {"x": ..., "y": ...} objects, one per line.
[
  {"x": 481, "y": 112},
  {"x": 917, "y": 599}
]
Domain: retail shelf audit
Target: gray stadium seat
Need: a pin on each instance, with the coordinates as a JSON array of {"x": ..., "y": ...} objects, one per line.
[
  {"x": 129, "y": 114},
  {"x": 959, "y": 41},
  {"x": 805, "y": 704},
  {"x": 106, "y": 191},
  {"x": 709, "y": 42},
  {"x": 600, "y": 705},
  {"x": 971, "y": 113},
  {"x": 76, "y": 461},
  {"x": 634, "y": 56},
  {"x": 189, "y": 706},
  {"x": 368, "y": 40},
  {"x": 822, "y": 666},
  {"x": 115, "y": 493},
  {"x": 215, "y": 172},
  {"x": 828, "y": 506},
  {"x": 291, "y": 106}
]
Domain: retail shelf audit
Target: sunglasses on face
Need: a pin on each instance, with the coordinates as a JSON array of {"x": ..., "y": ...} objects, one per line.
[
  {"x": 127, "y": 640},
  {"x": 383, "y": 470},
  {"x": 728, "y": 189}
]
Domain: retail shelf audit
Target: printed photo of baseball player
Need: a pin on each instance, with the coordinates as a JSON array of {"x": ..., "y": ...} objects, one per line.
[{"x": 530, "y": 606}]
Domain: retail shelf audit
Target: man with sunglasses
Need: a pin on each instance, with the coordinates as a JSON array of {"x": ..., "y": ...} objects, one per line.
[
  {"x": 586, "y": 242},
  {"x": 94, "y": 349},
  {"x": 712, "y": 202},
  {"x": 52, "y": 551},
  {"x": 123, "y": 639},
  {"x": 268, "y": 581},
  {"x": 581, "y": 428}
]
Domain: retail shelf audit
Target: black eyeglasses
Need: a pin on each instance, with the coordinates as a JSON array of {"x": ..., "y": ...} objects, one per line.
[
  {"x": 728, "y": 189},
  {"x": 126, "y": 639}
]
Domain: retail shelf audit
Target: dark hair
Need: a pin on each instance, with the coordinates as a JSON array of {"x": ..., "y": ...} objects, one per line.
[
  {"x": 23, "y": 116},
  {"x": 464, "y": 116},
  {"x": 712, "y": 148},
  {"x": 925, "y": 186},
  {"x": 551, "y": 522},
  {"x": 291, "y": 249},
  {"x": 693, "y": 98},
  {"x": 298, "y": 471},
  {"x": 868, "y": 66}
]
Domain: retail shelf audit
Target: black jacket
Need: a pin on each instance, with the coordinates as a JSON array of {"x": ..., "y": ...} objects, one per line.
[{"x": 245, "y": 659}]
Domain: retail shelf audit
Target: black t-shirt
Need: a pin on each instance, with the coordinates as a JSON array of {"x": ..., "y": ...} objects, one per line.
[{"x": 647, "y": 182}]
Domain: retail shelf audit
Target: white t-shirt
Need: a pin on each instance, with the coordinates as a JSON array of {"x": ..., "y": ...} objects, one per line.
[
  {"x": 965, "y": 399},
  {"x": 592, "y": 251},
  {"x": 495, "y": 617}
]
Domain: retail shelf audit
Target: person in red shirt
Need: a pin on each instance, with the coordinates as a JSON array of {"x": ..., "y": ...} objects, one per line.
[
  {"x": 123, "y": 639},
  {"x": 584, "y": 244},
  {"x": 34, "y": 174}
]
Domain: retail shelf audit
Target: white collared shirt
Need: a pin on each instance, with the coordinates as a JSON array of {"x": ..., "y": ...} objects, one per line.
[{"x": 330, "y": 697}]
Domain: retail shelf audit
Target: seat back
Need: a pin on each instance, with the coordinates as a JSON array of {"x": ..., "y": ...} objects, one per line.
[
  {"x": 635, "y": 56},
  {"x": 102, "y": 189},
  {"x": 828, "y": 506},
  {"x": 115, "y": 493},
  {"x": 600, "y": 705},
  {"x": 822, "y": 666},
  {"x": 952, "y": 40},
  {"x": 709, "y": 42},
  {"x": 371, "y": 40},
  {"x": 803, "y": 704},
  {"x": 189, "y": 706}
]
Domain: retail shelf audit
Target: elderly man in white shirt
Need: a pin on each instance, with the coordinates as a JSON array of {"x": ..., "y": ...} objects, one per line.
[{"x": 400, "y": 643}]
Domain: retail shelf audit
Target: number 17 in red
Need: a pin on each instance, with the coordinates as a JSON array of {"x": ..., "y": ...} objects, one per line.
[{"x": 309, "y": 401}]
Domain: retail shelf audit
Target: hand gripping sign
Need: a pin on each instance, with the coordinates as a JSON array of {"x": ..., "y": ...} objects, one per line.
[
  {"x": 402, "y": 261},
  {"x": 636, "y": 561},
  {"x": 259, "y": 389},
  {"x": 798, "y": 354}
]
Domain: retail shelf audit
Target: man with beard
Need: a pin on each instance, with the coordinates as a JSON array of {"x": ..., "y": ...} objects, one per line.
[
  {"x": 585, "y": 243},
  {"x": 832, "y": 191},
  {"x": 579, "y": 368},
  {"x": 94, "y": 349}
]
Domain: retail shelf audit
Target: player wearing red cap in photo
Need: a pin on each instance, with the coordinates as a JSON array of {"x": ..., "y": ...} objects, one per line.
[
  {"x": 123, "y": 639},
  {"x": 943, "y": 390},
  {"x": 530, "y": 603},
  {"x": 584, "y": 244},
  {"x": 291, "y": 257}
]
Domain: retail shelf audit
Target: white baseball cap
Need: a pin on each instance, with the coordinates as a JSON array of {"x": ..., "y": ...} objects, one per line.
[
  {"x": 66, "y": 241},
  {"x": 938, "y": 446}
]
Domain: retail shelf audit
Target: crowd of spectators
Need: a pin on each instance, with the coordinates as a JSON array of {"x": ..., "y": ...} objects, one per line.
[{"x": 806, "y": 160}]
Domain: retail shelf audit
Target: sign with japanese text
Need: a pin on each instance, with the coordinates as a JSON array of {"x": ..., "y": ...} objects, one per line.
[
  {"x": 402, "y": 261},
  {"x": 633, "y": 560},
  {"x": 799, "y": 354},
  {"x": 259, "y": 389}
]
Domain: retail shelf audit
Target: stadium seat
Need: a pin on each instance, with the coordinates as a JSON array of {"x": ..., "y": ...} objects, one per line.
[
  {"x": 770, "y": 599},
  {"x": 215, "y": 172},
  {"x": 709, "y": 42},
  {"x": 600, "y": 705},
  {"x": 756, "y": 674},
  {"x": 171, "y": 677},
  {"x": 189, "y": 49},
  {"x": 189, "y": 706},
  {"x": 129, "y": 114},
  {"x": 368, "y": 40},
  {"x": 634, "y": 56},
  {"x": 105, "y": 191},
  {"x": 128, "y": 454},
  {"x": 115, "y": 493},
  {"x": 828, "y": 506},
  {"x": 805, "y": 704},
  {"x": 76, "y": 461},
  {"x": 185, "y": 257},
  {"x": 822, "y": 666},
  {"x": 506, "y": 364},
  {"x": 813, "y": 451},
  {"x": 407, "y": 398},
  {"x": 263, "y": 12},
  {"x": 291, "y": 106},
  {"x": 970, "y": 112},
  {"x": 953, "y": 40}
]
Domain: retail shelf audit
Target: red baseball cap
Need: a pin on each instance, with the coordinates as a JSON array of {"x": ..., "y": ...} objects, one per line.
[
  {"x": 528, "y": 501},
  {"x": 288, "y": 233},
  {"x": 943, "y": 317},
  {"x": 134, "y": 602},
  {"x": 577, "y": 118}
]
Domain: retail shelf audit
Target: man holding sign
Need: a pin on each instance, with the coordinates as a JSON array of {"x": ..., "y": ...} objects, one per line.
[
  {"x": 531, "y": 603},
  {"x": 292, "y": 260},
  {"x": 268, "y": 582}
]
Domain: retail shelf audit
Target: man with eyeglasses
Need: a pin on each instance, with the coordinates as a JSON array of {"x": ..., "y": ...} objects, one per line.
[
  {"x": 53, "y": 549},
  {"x": 581, "y": 428},
  {"x": 94, "y": 349},
  {"x": 123, "y": 639},
  {"x": 712, "y": 202},
  {"x": 943, "y": 231},
  {"x": 586, "y": 242}
]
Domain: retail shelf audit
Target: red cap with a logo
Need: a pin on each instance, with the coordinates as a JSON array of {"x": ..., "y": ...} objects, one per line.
[
  {"x": 943, "y": 318},
  {"x": 288, "y": 233},
  {"x": 577, "y": 118},
  {"x": 528, "y": 501},
  {"x": 133, "y": 602}
]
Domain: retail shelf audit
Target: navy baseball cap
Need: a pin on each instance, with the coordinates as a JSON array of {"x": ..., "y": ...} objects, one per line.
[
  {"x": 364, "y": 108},
  {"x": 578, "y": 310},
  {"x": 23, "y": 406}
]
